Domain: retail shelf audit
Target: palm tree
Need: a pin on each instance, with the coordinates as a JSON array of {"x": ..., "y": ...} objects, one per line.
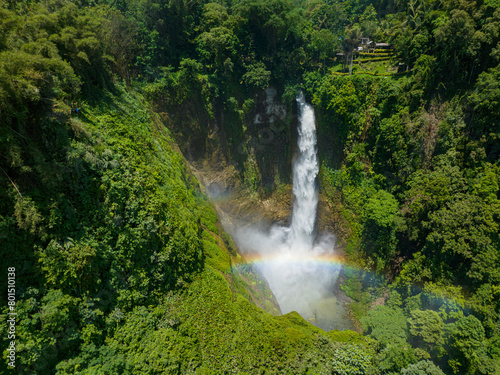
[{"x": 350, "y": 43}]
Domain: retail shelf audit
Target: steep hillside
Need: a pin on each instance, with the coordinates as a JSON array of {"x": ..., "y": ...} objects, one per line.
[{"x": 122, "y": 265}]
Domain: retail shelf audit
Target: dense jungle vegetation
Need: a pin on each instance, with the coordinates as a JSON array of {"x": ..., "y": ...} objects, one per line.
[{"x": 122, "y": 266}]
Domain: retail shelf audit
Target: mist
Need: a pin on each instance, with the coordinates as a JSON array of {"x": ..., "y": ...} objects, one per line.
[{"x": 297, "y": 263}]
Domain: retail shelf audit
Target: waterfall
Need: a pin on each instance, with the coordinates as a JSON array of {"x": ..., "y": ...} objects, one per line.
[
  {"x": 295, "y": 262},
  {"x": 305, "y": 171}
]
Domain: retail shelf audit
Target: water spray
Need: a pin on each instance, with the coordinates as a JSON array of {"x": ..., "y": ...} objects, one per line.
[{"x": 291, "y": 258}]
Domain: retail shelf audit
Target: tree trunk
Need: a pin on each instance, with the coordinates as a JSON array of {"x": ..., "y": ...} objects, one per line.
[{"x": 350, "y": 68}]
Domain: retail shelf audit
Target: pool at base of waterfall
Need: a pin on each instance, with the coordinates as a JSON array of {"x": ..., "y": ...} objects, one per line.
[{"x": 328, "y": 314}]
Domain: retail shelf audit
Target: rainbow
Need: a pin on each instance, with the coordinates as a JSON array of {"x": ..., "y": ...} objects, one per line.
[
  {"x": 290, "y": 258},
  {"x": 332, "y": 261}
]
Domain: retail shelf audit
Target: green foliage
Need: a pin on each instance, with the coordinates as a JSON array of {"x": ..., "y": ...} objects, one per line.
[
  {"x": 351, "y": 360},
  {"x": 345, "y": 101},
  {"x": 197, "y": 329},
  {"x": 165, "y": 32},
  {"x": 387, "y": 325},
  {"x": 368, "y": 19},
  {"x": 484, "y": 102},
  {"x": 467, "y": 345},
  {"x": 391, "y": 148},
  {"x": 355, "y": 289},
  {"x": 395, "y": 357},
  {"x": 455, "y": 36},
  {"x": 469, "y": 244},
  {"x": 324, "y": 43},
  {"x": 217, "y": 45},
  {"x": 347, "y": 336},
  {"x": 257, "y": 76},
  {"x": 426, "y": 329},
  {"x": 422, "y": 368},
  {"x": 381, "y": 223}
]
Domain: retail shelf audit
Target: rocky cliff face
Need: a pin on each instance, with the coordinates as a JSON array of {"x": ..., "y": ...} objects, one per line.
[
  {"x": 244, "y": 163},
  {"x": 273, "y": 138},
  {"x": 243, "y": 159}
]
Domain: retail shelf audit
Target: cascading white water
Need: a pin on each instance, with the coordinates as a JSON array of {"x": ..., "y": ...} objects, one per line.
[
  {"x": 305, "y": 171},
  {"x": 292, "y": 261}
]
